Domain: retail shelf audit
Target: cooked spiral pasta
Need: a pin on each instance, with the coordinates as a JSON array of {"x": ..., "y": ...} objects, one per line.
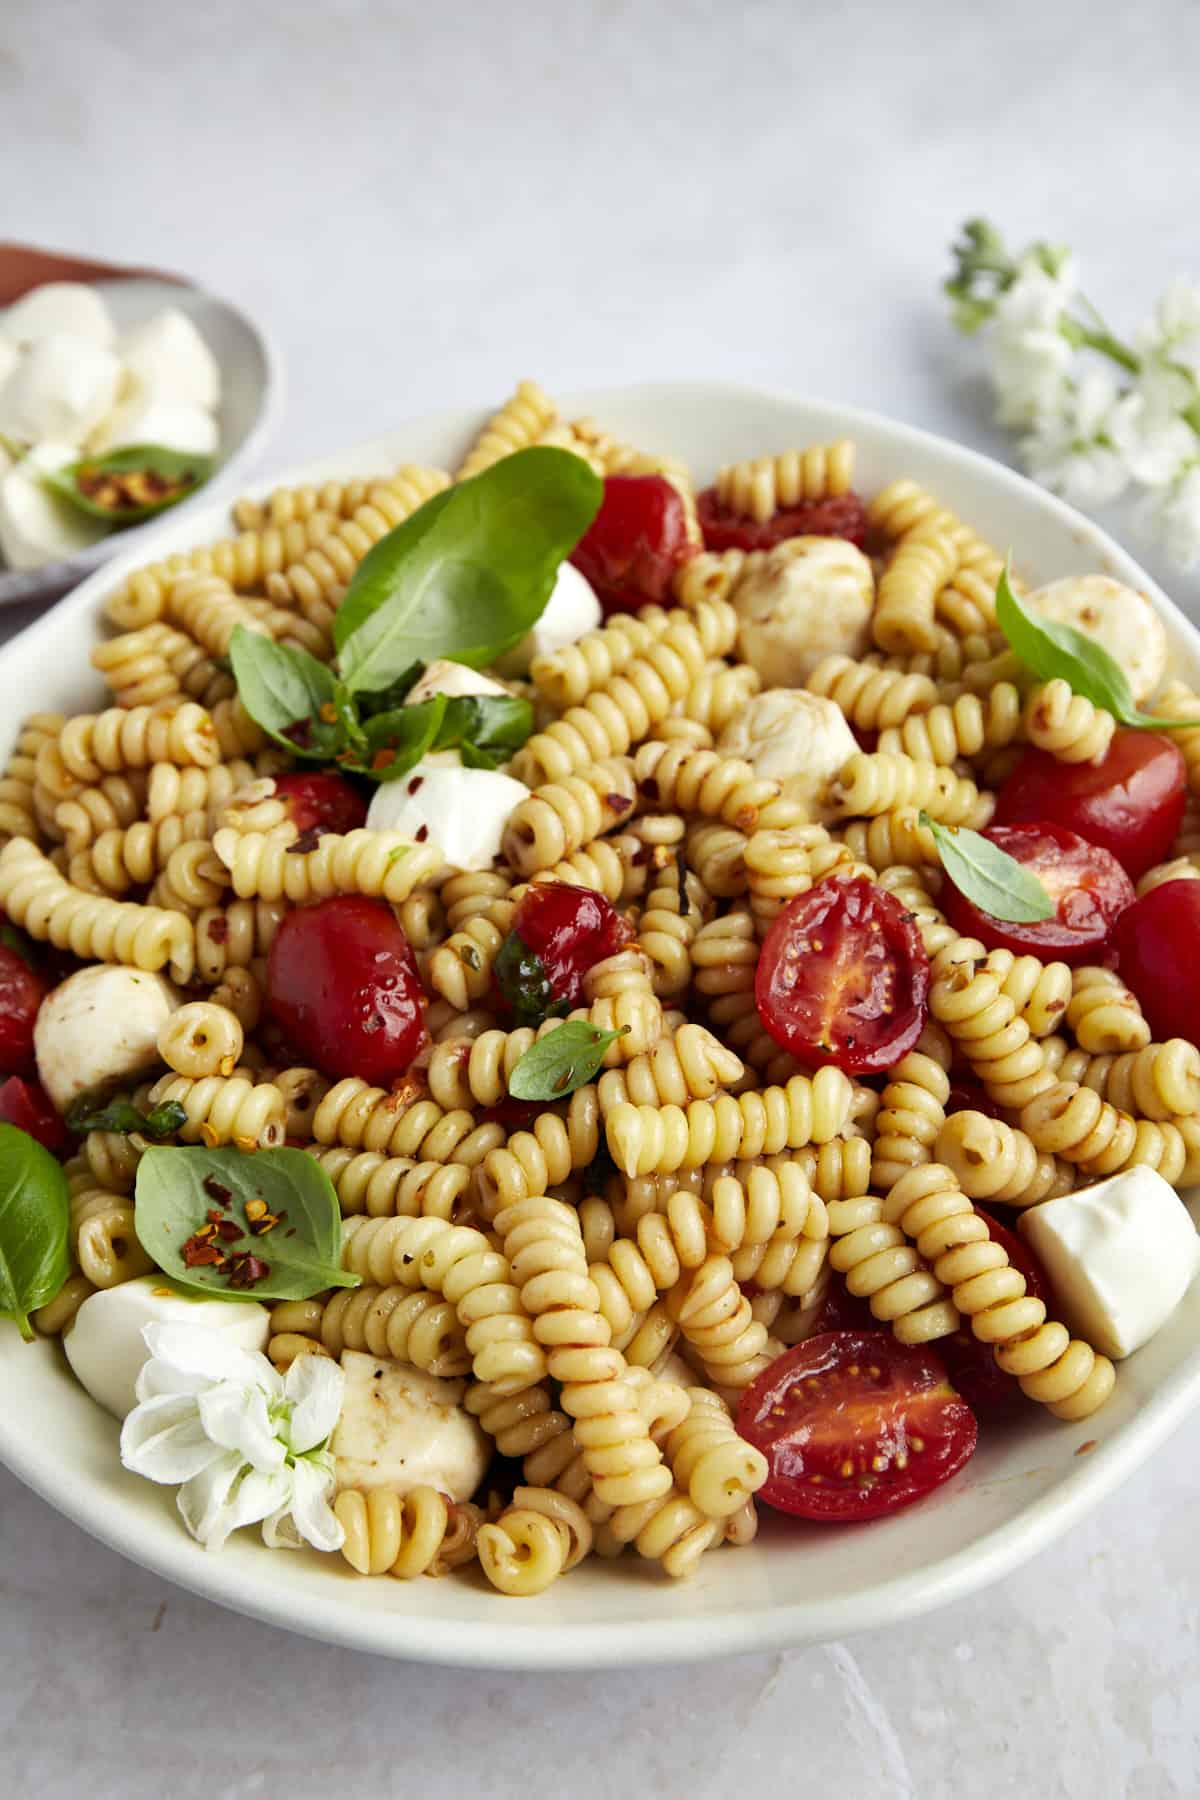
[
  {"x": 718, "y": 1322},
  {"x": 528, "y": 1548},
  {"x": 120, "y": 859},
  {"x": 35, "y": 896},
  {"x": 891, "y": 840},
  {"x": 968, "y": 726},
  {"x": 906, "y": 602},
  {"x": 690, "y": 1064},
  {"x": 246, "y": 562},
  {"x": 879, "y": 783},
  {"x": 201, "y": 1039},
  {"x": 269, "y": 866},
  {"x": 714, "y": 785},
  {"x": 94, "y": 744},
  {"x": 715, "y": 1467},
  {"x": 1177, "y": 701},
  {"x": 521, "y": 421},
  {"x": 366, "y": 1181},
  {"x": 101, "y": 1234},
  {"x": 759, "y": 488},
  {"x": 113, "y": 804},
  {"x": 1104, "y": 1015},
  {"x": 872, "y": 696},
  {"x": 645, "y": 1140},
  {"x": 17, "y": 817},
  {"x": 285, "y": 504},
  {"x": 621, "y": 998},
  {"x": 414, "y": 1327},
  {"x": 912, "y": 1111},
  {"x": 405, "y": 1535},
  {"x": 992, "y": 1161},
  {"x": 226, "y": 1109},
  {"x": 562, "y": 816},
  {"x": 1067, "y": 724},
  {"x": 970, "y": 1000},
  {"x": 1040, "y": 992},
  {"x": 531, "y": 1161},
  {"x": 717, "y": 693},
  {"x": 1159, "y": 1081},
  {"x": 882, "y": 1268},
  {"x": 401, "y": 1123},
  {"x": 233, "y": 936},
  {"x": 674, "y": 910},
  {"x": 566, "y": 677}
]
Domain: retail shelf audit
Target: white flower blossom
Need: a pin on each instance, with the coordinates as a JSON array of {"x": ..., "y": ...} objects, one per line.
[
  {"x": 1176, "y": 518},
  {"x": 1173, "y": 335},
  {"x": 244, "y": 1443},
  {"x": 1072, "y": 452},
  {"x": 1145, "y": 426},
  {"x": 1031, "y": 358}
]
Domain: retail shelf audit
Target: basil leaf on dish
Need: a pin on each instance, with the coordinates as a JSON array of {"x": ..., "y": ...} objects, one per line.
[
  {"x": 289, "y": 693},
  {"x": 565, "y": 1059},
  {"x": 162, "y": 1121},
  {"x": 33, "y": 1227},
  {"x": 987, "y": 876},
  {"x": 132, "y": 483}
]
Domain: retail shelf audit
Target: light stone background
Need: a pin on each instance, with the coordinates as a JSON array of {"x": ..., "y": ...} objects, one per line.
[{"x": 423, "y": 202}]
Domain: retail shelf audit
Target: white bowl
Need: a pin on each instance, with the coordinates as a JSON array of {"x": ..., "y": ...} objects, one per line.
[
  {"x": 1027, "y": 1484},
  {"x": 251, "y": 393}
]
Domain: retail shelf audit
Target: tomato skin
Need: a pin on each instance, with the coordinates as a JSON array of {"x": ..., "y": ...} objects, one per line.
[
  {"x": 634, "y": 545},
  {"x": 972, "y": 1366},
  {"x": 843, "y": 977},
  {"x": 319, "y": 801},
  {"x": 858, "y": 1398},
  {"x": 1130, "y": 803},
  {"x": 1088, "y": 884},
  {"x": 26, "y": 1105},
  {"x": 968, "y": 1095},
  {"x": 844, "y": 516},
  {"x": 342, "y": 983},
  {"x": 558, "y": 933},
  {"x": 1155, "y": 942},
  {"x": 21, "y": 993}
]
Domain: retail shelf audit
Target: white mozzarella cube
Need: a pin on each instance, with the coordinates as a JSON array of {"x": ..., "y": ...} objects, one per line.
[
  {"x": 98, "y": 1027},
  {"x": 36, "y": 525},
  {"x": 168, "y": 359},
  {"x": 462, "y": 811},
  {"x": 400, "y": 1428},
  {"x": 1120, "y": 1256},
  {"x": 58, "y": 306},
  {"x": 806, "y": 599},
  {"x": 452, "y": 678},
  {"x": 571, "y": 611},
  {"x": 145, "y": 419},
  {"x": 1116, "y": 617},
  {"x": 59, "y": 388},
  {"x": 105, "y": 1347},
  {"x": 795, "y": 738}
]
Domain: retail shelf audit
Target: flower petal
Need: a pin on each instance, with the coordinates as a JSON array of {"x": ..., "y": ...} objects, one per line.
[
  {"x": 205, "y": 1351},
  {"x": 236, "y": 1417},
  {"x": 314, "y": 1386},
  {"x": 164, "y": 1440},
  {"x": 312, "y": 1516},
  {"x": 204, "y": 1502}
]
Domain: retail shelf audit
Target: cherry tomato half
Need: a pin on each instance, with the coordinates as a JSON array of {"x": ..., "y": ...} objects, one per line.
[
  {"x": 21, "y": 993},
  {"x": 1088, "y": 886},
  {"x": 842, "y": 977},
  {"x": 1130, "y": 803},
  {"x": 318, "y": 801},
  {"x": 27, "y": 1105},
  {"x": 972, "y": 1366},
  {"x": 558, "y": 932},
  {"x": 635, "y": 543},
  {"x": 854, "y": 1425},
  {"x": 1156, "y": 942},
  {"x": 342, "y": 983},
  {"x": 844, "y": 517}
]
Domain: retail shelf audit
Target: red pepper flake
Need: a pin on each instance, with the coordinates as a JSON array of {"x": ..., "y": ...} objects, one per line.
[
  {"x": 648, "y": 788},
  {"x": 306, "y": 842},
  {"x": 418, "y": 781},
  {"x": 218, "y": 929},
  {"x": 421, "y": 833},
  {"x": 246, "y": 1270},
  {"x": 328, "y": 712},
  {"x": 383, "y": 759},
  {"x": 229, "y": 1231},
  {"x": 199, "y": 1255},
  {"x": 618, "y": 803},
  {"x": 216, "y": 1190},
  {"x": 299, "y": 733}
]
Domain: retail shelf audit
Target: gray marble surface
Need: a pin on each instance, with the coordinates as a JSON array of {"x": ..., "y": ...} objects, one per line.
[{"x": 423, "y": 203}]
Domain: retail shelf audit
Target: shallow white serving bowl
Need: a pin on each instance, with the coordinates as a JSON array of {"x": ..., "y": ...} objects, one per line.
[
  {"x": 251, "y": 393},
  {"x": 1027, "y": 1484}
]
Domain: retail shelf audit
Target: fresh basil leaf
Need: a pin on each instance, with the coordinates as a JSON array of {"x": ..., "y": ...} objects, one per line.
[
  {"x": 289, "y": 693},
  {"x": 162, "y": 1121},
  {"x": 130, "y": 484},
  {"x": 177, "y": 1190},
  {"x": 392, "y": 696},
  {"x": 471, "y": 571},
  {"x": 402, "y": 737},
  {"x": 33, "y": 1227},
  {"x": 487, "y": 728},
  {"x": 475, "y": 758},
  {"x": 520, "y": 975},
  {"x": 987, "y": 876},
  {"x": 560, "y": 1062},
  {"x": 496, "y": 724},
  {"x": 16, "y": 941}
]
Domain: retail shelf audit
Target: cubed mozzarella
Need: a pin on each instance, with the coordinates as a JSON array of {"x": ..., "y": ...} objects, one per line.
[
  {"x": 98, "y": 1027},
  {"x": 36, "y": 525},
  {"x": 462, "y": 811},
  {"x": 58, "y": 306},
  {"x": 571, "y": 610},
  {"x": 107, "y": 1351},
  {"x": 805, "y": 600},
  {"x": 1117, "y": 617},
  {"x": 168, "y": 359},
  {"x": 144, "y": 419},
  {"x": 59, "y": 388},
  {"x": 795, "y": 738},
  {"x": 452, "y": 678},
  {"x": 400, "y": 1428},
  {"x": 1120, "y": 1256}
]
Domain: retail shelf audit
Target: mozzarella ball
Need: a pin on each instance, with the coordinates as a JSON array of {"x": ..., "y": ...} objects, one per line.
[
  {"x": 105, "y": 1347},
  {"x": 452, "y": 678},
  {"x": 9, "y": 357},
  {"x": 36, "y": 525},
  {"x": 145, "y": 419},
  {"x": 168, "y": 359},
  {"x": 806, "y": 599},
  {"x": 795, "y": 738},
  {"x": 400, "y": 1428},
  {"x": 61, "y": 387},
  {"x": 571, "y": 611},
  {"x": 1117, "y": 617},
  {"x": 462, "y": 811},
  {"x": 59, "y": 306},
  {"x": 98, "y": 1027}
]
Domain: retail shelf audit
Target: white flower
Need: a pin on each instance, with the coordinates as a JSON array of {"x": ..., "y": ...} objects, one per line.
[
  {"x": 1174, "y": 333},
  {"x": 1072, "y": 453},
  {"x": 1146, "y": 428},
  {"x": 1031, "y": 358},
  {"x": 1176, "y": 517},
  {"x": 245, "y": 1443}
]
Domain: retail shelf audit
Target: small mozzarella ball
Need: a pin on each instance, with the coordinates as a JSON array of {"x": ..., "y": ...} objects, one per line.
[
  {"x": 59, "y": 306},
  {"x": 144, "y": 419},
  {"x": 9, "y": 357},
  {"x": 60, "y": 388},
  {"x": 400, "y": 1428},
  {"x": 452, "y": 678},
  {"x": 168, "y": 358},
  {"x": 1116, "y": 617},
  {"x": 571, "y": 610},
  {"x": 105, "y": 1347},
  {"x": 795, "y": 738},
  {"x": 808, "y": 598},
  {"x": 37, "y": 525},
  {"x": 462, "y": 811},
  {"x": 98, "y": 1027}
]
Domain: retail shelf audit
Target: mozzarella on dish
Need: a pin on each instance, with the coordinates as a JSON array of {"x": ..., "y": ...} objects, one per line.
[
  {"x": 9, "y": 357},
  {"x": 167, "y": 358},
  {"x": 1120, "y": 1256},
  {"x": 60, "y": 388},
  {"x": 1117, "y": 617},
  {"x": 400, "y": 1428},
  {"x": 105, "y": 1347},
  {"x": 795, "y": 738},
  {"x": 145, "y": 419},
  {"x": 99, "y": 1026},
  {"x": 36, "y": 525},
  {"x": 452, "y": 678},
  {"x": 570, "y": 612},
  {"x": 807, "y": 599},
  {"x": 58, "y": 306}
]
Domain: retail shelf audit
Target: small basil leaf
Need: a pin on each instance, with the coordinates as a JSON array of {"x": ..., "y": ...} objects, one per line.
[
  {"x": 403, "y": 737},
  {"x": 162, "y": 1121},
  {"x": 521, "y": 977},
  {"x": 297, "y": 1241},
  {"x": 560, "y": 1062},
  {"x": 475, "y": 758},
  {"x": 132, "y": 483},
  {"x": 285, "y": 691},
  {"x": 33, "y": 1227},
  {"x": 395, "y": 694},
  {"x": 496, "y": 724},
  {"x": 987, "y": 876},
  {"x": 469, "y": 574}
]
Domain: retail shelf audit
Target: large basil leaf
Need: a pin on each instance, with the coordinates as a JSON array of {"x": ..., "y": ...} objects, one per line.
[
  {"x": 33, "y": 1227},
  {"x": 289, "y": 693}
]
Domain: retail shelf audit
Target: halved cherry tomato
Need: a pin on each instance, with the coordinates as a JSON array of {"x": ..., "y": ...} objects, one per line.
[
  {"x": 1130, "y": 802},
  {"x": 844, "y": 517},
  {"x": 854, "y": 1425},
  {"x": 635, "y": 543},
  {"x": 26, "y": 1105},
  {"x": 843, "y": 977},
  {"x": 1088, "y": 886},
  {"x": 21, "y": 993},
  {"x": 318, "y": 801},
  {"x": 1157, "y": 943},
  {"x": 972, "y": 1366},
  {"x": 558, "y": 932}
]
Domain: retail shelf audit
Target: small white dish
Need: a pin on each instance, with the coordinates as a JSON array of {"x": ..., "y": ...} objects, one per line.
[
  {"x": 1029, "y": 1483},
  {"x": 251, "y": 393}
]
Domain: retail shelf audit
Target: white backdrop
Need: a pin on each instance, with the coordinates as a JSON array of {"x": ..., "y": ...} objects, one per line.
[{"x": 423, "y": 203}]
